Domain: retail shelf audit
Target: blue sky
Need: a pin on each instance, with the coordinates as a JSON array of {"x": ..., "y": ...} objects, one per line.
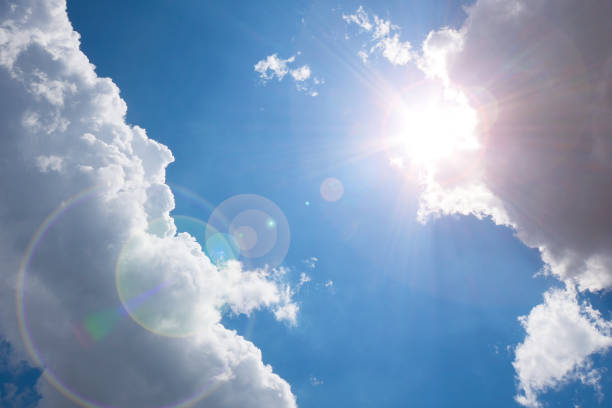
[{"x": 396, "y": 312}]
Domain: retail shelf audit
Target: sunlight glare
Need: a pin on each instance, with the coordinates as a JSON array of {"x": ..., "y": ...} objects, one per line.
[{"x": 428, "y": 127}]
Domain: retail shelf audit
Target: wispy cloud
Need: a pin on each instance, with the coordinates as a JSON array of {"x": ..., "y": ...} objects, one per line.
[
  {"x": 311, "y": 262},
  {"x": 384, "y": 38},
  {"x": 275, "y": 67},
  {"x": 303, "y": 279},
  {"x": 315, "y": 382}
]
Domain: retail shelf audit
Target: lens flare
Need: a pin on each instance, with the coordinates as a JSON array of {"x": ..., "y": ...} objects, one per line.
[
  {"x": 167, "y": 297},
  {"x": 94, "y": 327},
  {"x": 331, "y": 189},
  {"x": 219, "y": 247},
  {"x": 257, "y": 227}
]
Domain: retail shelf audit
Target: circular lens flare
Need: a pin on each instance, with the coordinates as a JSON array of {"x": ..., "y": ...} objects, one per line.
[
  {"x": 257, "y": 227},
  {"x": 92, "y": 330},
  {"x": 163, "y": 295},
  {"x": 332, "y": 189}
]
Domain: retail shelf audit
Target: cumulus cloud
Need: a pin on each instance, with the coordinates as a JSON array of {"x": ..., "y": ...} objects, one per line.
[
  {"x": 66, "y": 146},
  {"x": 274, "y": 67},
  {"x": 561, "y": 335},
  {"x": 385, "y": 38},
  {"x": 541, "y": 84},
  {"x": 543, "y": 104}
]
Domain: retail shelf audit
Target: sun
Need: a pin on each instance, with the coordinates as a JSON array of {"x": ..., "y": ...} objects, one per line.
[{"x": 425, "y": 127}]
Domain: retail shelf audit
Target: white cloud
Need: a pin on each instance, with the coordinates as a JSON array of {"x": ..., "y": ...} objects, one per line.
[
  {"x": 561, "y": 335},
  {"x": 272, "y": 66},
  {"x": 49, "y": 163},
  {"x": 360, "y": 18},
  {"x": 544, "y": 106},
  {"x": 311, "y": 262},
  {"x": 303, "y": 279},
  {"x": 329, "y": 284},
  {"x": 315, "y": 382},
  {"x": 363, "y": 55},
  {"x": 396, "y": 51},
  {"x": 287, "y": 310},
  {"x": 541, "y": 130},
  {"x": 301, "y": 74},
  {"x": 64, "y": 132},
  {"x": 385, "y": 38},
  {"x": 436, "y": 49}
]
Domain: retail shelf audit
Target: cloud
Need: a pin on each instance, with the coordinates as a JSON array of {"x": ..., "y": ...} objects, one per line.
[
  {"x": 561, "y": 335},
  {"x": 66, "y": 147},
  {"x": 303, "y": 279},
  {"x": 315, "y": 382},
  {"x": 288, "y": 310},
  {"x": 542, "y": 86},
  {"x": 49, "y": 163},
  {"x": 360, "y": 18},
  {"x": 543, "y": 107},
  {"x": 311, "y": 262},
  {"x": 385, "y": 38},
  {"x": 274, "y": 67},
  {"x": 301, "y": 74}
]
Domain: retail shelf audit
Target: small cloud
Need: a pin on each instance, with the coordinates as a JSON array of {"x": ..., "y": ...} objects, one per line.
[
  {"x": 303, "y": 280},
  {"x": 49, "y": 163},
  {"x": 287, "y": 313},
  {"x": 275, "y": 67},
  {"x": 301, "y": 74},
  {"x": 363, "y": 56},
  {"x": 315, "y": 382},
  {"x": 329, "y": 284},
  {"x": 384, "y": 37},
  {"x": 311, "y": 262},
  {"x": 287, "y": 310},
  {"x": 360, "y": 18},
  {"x": 396, "y": 51}
]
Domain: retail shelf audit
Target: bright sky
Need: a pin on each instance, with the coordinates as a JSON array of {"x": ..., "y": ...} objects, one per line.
[{"x": 313, "y": 204}]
